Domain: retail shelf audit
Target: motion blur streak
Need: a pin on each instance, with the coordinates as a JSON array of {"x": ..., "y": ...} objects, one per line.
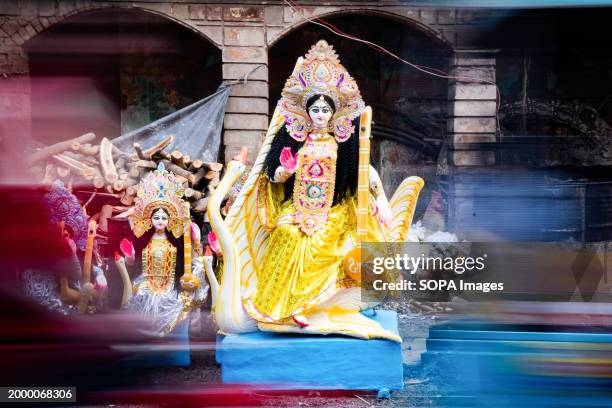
[{"x": 524, "y": 355}]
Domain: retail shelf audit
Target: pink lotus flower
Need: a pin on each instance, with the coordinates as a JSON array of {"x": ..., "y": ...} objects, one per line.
[
  {"x": 127, "y": 248},
  {"x": 214, "y": 243}
]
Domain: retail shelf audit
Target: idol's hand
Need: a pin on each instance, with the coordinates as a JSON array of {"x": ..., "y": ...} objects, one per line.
[
  {"x": 288, "y": 160},
  {"x": 383, "y": 209},
  {"x": 189, "y": 282},
  {"x": 100, "y": 283}
]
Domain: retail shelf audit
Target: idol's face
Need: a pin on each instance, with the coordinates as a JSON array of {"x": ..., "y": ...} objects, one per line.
[
  {"x": 320, "y": 114},
  {"x": 159, "y": 220}
]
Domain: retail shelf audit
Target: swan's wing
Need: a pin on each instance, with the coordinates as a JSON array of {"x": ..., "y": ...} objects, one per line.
[
  {"x": 251, "y": 238},
  {"x": 403, "y": 204},
  {"x": 242, "y": 220}
]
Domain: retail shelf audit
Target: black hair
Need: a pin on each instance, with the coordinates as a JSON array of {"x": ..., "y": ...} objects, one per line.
[
  {"x": 178, "y": 243},
  {"x": 346, "y": 163}
]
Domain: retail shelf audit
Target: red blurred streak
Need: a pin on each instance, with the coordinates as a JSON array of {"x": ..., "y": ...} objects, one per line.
[
  {"x": 41, "y": 347},
  {"x": 216, "y": 395},
  {"x": 27, "y": 239}
]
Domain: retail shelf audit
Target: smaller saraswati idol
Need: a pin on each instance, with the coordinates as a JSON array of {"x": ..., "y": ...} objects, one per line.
[{"x": 171, "y": 284}]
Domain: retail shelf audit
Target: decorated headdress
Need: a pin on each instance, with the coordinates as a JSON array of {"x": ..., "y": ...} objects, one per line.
[
  {"x": 64, "y": 207},
  {"x": 159, "y": 189},
  {"x": 320, "y": 73}
]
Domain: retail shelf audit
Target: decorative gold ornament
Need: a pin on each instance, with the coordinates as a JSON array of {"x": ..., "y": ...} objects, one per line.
[
  {"x": 159, "y": 262},
  {"x": 315, "y": 178},
  {"x": 320, "y": 73},
  {"x": 159, "y": 189}
]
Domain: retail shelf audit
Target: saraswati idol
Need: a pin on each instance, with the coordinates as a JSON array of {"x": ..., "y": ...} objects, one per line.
[
  {"x": 310, "y": 198},
  {"x": 170, "y": 284}
]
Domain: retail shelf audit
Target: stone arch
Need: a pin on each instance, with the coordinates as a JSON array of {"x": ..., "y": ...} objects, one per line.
[
  {"x": 409, "y": 18},
  {"x": 39, "y": 24},
  {"x": 110, "y": 70}
]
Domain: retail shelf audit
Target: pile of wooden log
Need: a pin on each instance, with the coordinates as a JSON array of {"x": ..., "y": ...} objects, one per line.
[{"x": 105, "y": 168}]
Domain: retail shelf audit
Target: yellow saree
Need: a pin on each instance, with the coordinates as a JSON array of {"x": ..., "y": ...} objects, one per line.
[{"x": 301, "y": 268}]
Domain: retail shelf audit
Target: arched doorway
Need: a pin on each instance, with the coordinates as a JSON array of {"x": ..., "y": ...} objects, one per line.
[
  {"x": 553, "y": 180},
  {"x": 409, "y": 106},
  {"x": 112, "y": 71}
]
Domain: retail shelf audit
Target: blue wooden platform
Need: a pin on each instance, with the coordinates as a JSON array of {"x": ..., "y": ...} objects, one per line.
[{"x": 295, "y": 361}]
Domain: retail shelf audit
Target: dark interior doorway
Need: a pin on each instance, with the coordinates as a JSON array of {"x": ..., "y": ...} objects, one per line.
[{"x": 109, "y": 72}]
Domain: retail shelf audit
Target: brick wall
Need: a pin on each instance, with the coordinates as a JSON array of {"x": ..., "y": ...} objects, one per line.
[{"x": 244, "y": 33}]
